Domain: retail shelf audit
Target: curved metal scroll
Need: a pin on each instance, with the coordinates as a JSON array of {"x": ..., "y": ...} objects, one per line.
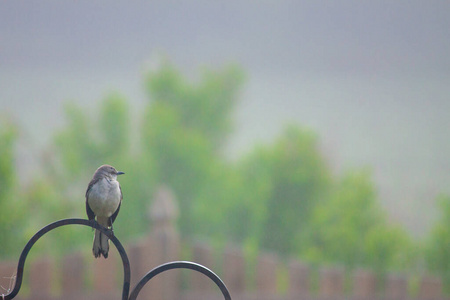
[
  {"x": 125, "y": 261},
  {"x": 44, "y": 230},
  {"x": 180, "y": 265}
]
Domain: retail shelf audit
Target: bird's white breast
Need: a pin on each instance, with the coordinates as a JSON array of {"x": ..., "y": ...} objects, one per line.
[{"x": 104, "y": 197}]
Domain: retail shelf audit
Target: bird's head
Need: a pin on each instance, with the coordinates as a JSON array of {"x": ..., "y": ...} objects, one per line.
[{"x": 107, "y": 171}]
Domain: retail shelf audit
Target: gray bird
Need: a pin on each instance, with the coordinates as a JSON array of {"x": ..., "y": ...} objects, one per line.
[{"x": 103, "y": 199}]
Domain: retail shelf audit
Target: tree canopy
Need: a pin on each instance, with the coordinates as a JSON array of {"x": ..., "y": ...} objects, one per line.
[
  {"x": 438, "y": 244},
  {"x": 11, "y": 233}
]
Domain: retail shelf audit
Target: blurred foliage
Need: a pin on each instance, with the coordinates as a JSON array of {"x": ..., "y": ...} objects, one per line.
[
  {"x": 293, "y": 178},
  {"x": 437, "y": 249},
  {"x": 281, "y": 196},
  {"x": 351, "y": 228},
  {"x": 184, "y": 129},
  {"x": 12, "y": 210}
]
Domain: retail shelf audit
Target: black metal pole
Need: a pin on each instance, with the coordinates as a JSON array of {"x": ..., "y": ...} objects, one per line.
[
  {"x": 44, "y": 230},
  {"x": 125, "y": 262},
  {"x": 180, "y": 265}
]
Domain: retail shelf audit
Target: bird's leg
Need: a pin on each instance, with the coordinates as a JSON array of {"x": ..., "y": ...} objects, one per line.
[
  {"x": 93, "y": 222},
  {"x": 110, "y": 221}
]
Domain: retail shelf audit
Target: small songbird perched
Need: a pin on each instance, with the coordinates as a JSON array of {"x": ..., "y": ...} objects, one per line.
[{"x": 103, "y": 199}]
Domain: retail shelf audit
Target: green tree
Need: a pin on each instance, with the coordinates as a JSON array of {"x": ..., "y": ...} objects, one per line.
[
  {"x": 12, "y": 212},
  {"x": 388, "y": 247},
  {"x": 204, "y": 107},
  {"x": 340, "y": 225},
  {"x": 283, "y": 183},
  {"x": 115, "y": 130},
  {"x": 8, "y": 135},
  {"x": 351, "y": 228},
  {"x": 184, "y": 129},
  {"x": 88, "y": 140},
  {"x": 75, "y": 148},
  {"x": 437, "y": 247}
]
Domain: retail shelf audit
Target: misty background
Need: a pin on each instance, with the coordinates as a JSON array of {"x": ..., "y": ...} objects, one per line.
[{"x": 371, "y": 78}]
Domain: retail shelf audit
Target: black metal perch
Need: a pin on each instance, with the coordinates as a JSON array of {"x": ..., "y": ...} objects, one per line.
[
  {"x": 180, "y": 265},
  {"x": 125, "y": 262}
]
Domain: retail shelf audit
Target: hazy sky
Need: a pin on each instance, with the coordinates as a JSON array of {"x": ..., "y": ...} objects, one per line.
[{"x": 372, "y": 78}]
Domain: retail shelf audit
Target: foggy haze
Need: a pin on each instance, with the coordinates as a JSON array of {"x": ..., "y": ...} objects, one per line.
[{"x": 371, "y": 78}]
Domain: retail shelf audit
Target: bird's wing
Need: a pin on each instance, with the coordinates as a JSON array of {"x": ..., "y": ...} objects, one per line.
[
  {"x": 114, "y": 215},
  {"x": 89, "y": 211}
]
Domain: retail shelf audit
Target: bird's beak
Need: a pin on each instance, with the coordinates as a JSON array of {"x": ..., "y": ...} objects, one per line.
[{"x": 120, "y": 173}]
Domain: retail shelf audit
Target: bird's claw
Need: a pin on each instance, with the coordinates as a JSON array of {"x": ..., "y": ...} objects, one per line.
[{"x": 111, "y": 231}]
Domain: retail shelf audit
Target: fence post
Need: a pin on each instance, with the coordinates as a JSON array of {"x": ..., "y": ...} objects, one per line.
[
  {"x": 41, "y": 278},
  {"x": 331, "y": 283},
  {"x": 165, "y": 239},
  {"x": 234, "y": 270},
  {"x": 266, "y": 274},
  {"x": 396, "y": 287},
  {"x": 430, "y": 288},
  {"x": 202, "y": 253},
  {"x": 105, "y": 275},
  {"x": 8, "y": 272},
  {"x": 73, "y": 273},
  {"x": 364, "y": 284},
  {"x": 163, "y": 214},
  {"x": 143, "y": 257},
  {"x": 299, "y": 279}
]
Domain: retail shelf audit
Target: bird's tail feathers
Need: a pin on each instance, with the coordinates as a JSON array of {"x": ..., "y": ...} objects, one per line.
[{"x": 101, "y": 244}]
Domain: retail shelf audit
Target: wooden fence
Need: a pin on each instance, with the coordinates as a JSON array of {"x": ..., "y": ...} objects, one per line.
[{"x": 79, "y": 276}]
